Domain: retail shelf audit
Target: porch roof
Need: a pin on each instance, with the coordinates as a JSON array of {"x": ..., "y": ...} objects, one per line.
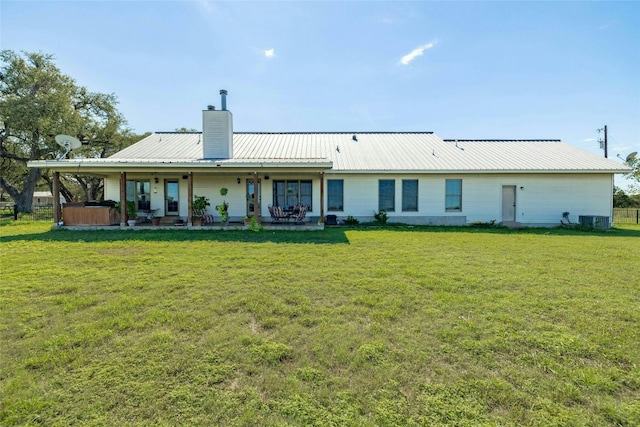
[{"x": 111, "y": 165}]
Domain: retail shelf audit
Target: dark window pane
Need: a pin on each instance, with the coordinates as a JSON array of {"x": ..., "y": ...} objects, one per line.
[
  {"x": 279, "y": 193},
  {"x": 289, "y": 194},
  {"x": 335, "y": 194},
  {"x": 453, "y": 196},
  {"x": 410, "y": 195},
  {"x": 386, "y": 195},
  {"x": 306, "y": 194}
]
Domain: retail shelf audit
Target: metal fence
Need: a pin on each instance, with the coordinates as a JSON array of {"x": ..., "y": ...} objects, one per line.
[
  {"x": 8, "y": 213},
  {"x": 626, "y": 216}
]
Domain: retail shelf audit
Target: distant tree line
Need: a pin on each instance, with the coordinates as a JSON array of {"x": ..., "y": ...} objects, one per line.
[{"x": 624, "y": 200}]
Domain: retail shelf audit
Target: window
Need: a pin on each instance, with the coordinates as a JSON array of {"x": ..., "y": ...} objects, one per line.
[
  {"x": 139, "y": 192},
  {"x": 290, "y": 194},
  {"x": 335, "y": 195},
  {"x": 387, "y": 195},
  {"x": 410, "y": 195},
  {"x": 453, "y": 195}
]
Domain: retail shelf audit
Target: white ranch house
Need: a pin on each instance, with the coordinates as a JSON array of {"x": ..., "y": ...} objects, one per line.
[{"x": 416, "y": 177}]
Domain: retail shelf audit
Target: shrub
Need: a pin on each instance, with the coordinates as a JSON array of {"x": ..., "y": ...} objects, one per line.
[
  {"x": 381, "y": 216},
  {"x": 255, "y": 225},
  {"x": 351, "y": 220}
]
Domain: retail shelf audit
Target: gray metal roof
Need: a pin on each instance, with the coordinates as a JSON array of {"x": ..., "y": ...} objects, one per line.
[
  {"x": 165, "y": 145},
  {"x": 359, "y": 152}
]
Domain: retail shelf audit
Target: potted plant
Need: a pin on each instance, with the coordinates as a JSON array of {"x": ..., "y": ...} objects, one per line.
[
  {"x": 223, "y": 208},
  {"x": 247, "y": 219},
  {"x": 199, "y": 206},
  {"x": 155, "y": 220},
  {"x": 131, "y": 212}
]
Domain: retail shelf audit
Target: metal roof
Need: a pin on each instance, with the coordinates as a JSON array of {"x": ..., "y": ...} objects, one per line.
[
  {"x": 361, "y": 152},
  {"x": 164, "y": 145}
]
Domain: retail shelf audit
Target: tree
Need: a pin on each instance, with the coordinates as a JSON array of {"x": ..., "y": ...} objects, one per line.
[
  {"x": 90, "y": 187},
  {"x": 633, "y": 161},
  {"x": 37, "y": 102},
  {"x": 623, "y": 200}
]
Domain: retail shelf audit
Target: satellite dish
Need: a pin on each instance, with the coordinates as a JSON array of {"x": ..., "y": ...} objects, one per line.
[
  {"x": 631, "y": 157},
  {"x": 68, "y": 143}
]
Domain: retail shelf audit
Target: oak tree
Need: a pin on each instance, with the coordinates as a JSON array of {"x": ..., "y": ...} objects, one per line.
[{"x": 38, "y": 102}]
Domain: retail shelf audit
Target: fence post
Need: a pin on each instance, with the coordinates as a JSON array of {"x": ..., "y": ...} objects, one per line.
[
  {"x": 637, "y": 216},
  {"x": 15, "y": 212}
]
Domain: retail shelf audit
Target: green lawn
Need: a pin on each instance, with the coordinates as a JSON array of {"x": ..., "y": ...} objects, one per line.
[{"x": 345, "y": 327}]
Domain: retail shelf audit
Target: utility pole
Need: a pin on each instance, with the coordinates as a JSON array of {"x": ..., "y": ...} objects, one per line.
[{"x": 603, "y": 144}]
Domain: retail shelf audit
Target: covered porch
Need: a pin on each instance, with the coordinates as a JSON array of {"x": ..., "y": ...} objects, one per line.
[{"x": 167, "y": 192}]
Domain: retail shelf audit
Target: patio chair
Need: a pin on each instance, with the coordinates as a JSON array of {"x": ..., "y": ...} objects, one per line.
[
  {"x": 277, "y": 214},
  {"x": 274, "y": 218},
  {"x": 300, "y": 215},
  {"x": 274, "y": 215},
  {"x": 206, "y": 218}
]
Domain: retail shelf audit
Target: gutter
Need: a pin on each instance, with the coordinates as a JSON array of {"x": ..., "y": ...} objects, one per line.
[
  {"x": 76, "y": 165},
  {"x": 84, "y": 164}
]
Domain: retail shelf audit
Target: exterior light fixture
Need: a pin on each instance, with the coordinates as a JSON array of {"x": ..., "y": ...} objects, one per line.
[{"x": 238, "y": 180}]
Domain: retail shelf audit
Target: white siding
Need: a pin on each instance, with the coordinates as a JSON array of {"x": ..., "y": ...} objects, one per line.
[
  {"x": 540, "y": 199},
  {"x": 209, "y": 186}
]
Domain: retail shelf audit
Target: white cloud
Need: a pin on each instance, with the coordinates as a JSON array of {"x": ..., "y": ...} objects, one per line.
[
  {"x": 419, "y": 51},
  {"x": 206, "y": 5},
  {"x": 269, "y": 53}
]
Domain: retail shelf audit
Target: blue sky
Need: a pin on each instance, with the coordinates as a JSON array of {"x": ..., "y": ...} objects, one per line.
[{"x": 504, "y": 70}]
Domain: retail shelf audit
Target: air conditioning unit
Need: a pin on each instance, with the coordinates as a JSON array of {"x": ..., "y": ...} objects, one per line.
[{"x": 594, "y": 221}]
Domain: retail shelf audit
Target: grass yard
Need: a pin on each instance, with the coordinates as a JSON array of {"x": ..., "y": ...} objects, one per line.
[{"x": 341, "y": 327}]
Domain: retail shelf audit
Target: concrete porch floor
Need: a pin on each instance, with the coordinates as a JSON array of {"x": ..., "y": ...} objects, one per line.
[{"x": 307, "y": 226}]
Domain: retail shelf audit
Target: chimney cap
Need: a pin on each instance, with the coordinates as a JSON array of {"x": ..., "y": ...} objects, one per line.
[
  {"x": 211, "y": 107},
  {"x": 223, "y": 92}
]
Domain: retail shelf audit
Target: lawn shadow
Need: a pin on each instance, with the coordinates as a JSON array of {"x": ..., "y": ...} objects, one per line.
[{"x": 331, "y": 236}]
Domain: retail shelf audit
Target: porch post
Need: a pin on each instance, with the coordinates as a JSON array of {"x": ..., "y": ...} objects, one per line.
[
  {"x": 321, "y": 221},
  {"x": 123, "y": 198},
  {"x": 190, "y": 197},
  {"x": 256, "y": 206},
  {"x": 56, "y": 198}
]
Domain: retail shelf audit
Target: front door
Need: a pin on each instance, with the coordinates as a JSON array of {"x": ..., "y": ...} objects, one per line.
[
  {"x": 171, "y": 198},
  {"x": 250, "y": 196},
  {"x": 508, "y": 203}
]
